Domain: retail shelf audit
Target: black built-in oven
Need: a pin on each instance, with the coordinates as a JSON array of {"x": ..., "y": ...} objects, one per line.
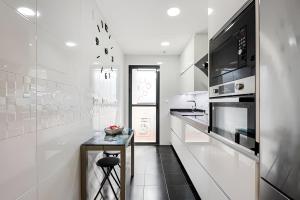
[
  {"x": 234, "y": 119},
  {"x": 232, "y": 50}
]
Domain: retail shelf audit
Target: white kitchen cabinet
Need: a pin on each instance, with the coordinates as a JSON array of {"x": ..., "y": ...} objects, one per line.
[
  {"x": 187, "y": 56},
  {"x": 200, "y": 80},
  {"x": 200, "y": 46},
  {"x": 228, "y": 173},
  {"x": 228, "y": 167},
  {"x": 177, "y": 126},
  {"x": 192, "y": 78},
  {"x": 222, "y": 12},
  {"x": 193, "y": 135},
  {"x": 203, "y": 183},
  {"x": 186, "y": 80},
  {"x": 196, "y": 48}
]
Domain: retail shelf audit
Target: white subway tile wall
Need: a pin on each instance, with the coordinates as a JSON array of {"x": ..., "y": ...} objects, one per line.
[
  {"x": 180, "y": 101},
  {"x": 45, "y": 97}
]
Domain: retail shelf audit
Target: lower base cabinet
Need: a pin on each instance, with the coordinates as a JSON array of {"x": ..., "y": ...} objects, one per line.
[
  {"x": 204, "y": 184},
  {"x": 217, "y": 171}
]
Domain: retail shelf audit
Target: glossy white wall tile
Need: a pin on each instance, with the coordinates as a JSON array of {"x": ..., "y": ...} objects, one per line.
[
  {"x": 181, "y": 101},
  {"x": 64, "y": 101},
  {"x": 18, "y": 166},
  {"x": 45, "y": 97},
  {"x": 17, "y": 140}
]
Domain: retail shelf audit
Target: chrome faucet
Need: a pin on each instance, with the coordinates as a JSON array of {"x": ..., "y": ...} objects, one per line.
[{"x": 194, "y": 108}]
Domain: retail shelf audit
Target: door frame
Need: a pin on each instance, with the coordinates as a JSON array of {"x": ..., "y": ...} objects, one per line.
[{"x": 157, "y": 67}]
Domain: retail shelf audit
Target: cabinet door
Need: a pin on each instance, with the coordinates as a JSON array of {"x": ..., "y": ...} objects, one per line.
[
  {"x": 223, "y": 166},
  {"x": 187, "y": 56},
  {"x": 229, "y": 168},
  {"x": 187, "y": 81},
  {"x": 204, "y": 184},
  {"x": 200, "y": 80},
  {"x": 193, "y": 135},
  {"x": 201, "y": 46},
  {"x": 177, "y": 126},
  {"x": 178, "y": 145}
]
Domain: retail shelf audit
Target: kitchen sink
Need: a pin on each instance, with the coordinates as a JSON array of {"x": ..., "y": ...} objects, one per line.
[
  {"x": 185, "y": 114},
  {"x": 193, "y": 115}
]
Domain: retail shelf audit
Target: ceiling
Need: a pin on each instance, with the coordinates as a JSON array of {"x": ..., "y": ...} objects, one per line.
[{"x": 139, "y": 26}]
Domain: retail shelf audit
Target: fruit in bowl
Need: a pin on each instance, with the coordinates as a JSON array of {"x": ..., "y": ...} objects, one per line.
[{"x": 113, "y": 130}]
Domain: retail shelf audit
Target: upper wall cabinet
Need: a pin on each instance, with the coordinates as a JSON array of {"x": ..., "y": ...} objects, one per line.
[
  {"x": 221, "y": 12},
  {"x": 193, "y": 80},
  {"x": 200, "y": 47},
  {"x": 194, "y": 51},
  {"x": 191, "y": 77},
  {"x": 187, "y": 56}
]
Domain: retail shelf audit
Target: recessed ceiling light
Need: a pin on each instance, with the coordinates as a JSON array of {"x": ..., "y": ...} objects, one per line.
[
  {"x": 172, "y": 12},
  {"x": 210, "y": 11},
  {"x": 70, "y": 44},
  {"x": 292, "y": 41},
  {"x": 165, "y": 44},
  {"x": 159, "y": 63},
  {"x": 26, "y": 11}
]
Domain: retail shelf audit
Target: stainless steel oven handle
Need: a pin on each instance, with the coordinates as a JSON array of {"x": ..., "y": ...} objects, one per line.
[{"x": 234, "y": 99}]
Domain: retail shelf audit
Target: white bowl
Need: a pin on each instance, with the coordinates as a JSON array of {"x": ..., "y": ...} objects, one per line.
[{"x": 113, "y": 131}]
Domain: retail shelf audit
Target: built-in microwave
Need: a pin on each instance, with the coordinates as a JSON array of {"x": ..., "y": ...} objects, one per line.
[{"x": 232, "y": 50}]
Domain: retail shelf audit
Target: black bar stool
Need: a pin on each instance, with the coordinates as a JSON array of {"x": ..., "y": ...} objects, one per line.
[
  {"x": 112, "y": 154},
  {"x": 109, "y": 164}
]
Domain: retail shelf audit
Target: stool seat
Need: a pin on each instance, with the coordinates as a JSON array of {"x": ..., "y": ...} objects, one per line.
[
  {"x": 108, "y": 162},
  {"x": 111, "y": 153}
]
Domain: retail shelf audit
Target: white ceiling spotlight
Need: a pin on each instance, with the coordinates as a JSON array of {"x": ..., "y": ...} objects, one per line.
[
  {"x": 159, "y": 63},
  {"x": 165, "y": 43},
  {"x": 210, "y": 11},
  {"x": 70, "y": 44},
  {"x": 172, "y": 12},
  {"x": 28, "y": 12},
  {"x": 292, "y": 41}
]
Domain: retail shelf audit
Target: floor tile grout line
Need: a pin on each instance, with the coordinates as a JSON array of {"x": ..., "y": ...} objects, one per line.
[
  {"x": 164, "y": 176},
  {"x": 144, "y": 184}
]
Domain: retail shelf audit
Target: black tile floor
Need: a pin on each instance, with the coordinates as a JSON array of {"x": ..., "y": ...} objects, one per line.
[{"x": 159, "y": 176}]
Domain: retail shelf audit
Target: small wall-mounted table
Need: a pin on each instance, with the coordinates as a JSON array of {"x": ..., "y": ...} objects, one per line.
[{"x": 103, "y": 142}]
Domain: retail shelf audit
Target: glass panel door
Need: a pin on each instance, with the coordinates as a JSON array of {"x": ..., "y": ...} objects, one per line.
[{"x": 143, "y": 103}]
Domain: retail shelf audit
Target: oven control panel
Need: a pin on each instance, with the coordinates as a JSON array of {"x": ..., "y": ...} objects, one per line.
[
  {"x": 238, "y": 87},
  {"x": 242, "y": 46}
]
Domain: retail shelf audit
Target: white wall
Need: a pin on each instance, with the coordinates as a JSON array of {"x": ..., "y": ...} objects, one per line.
[
  {"x": 169, "y": 86},
  {"x": 45, "y": 99}
]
